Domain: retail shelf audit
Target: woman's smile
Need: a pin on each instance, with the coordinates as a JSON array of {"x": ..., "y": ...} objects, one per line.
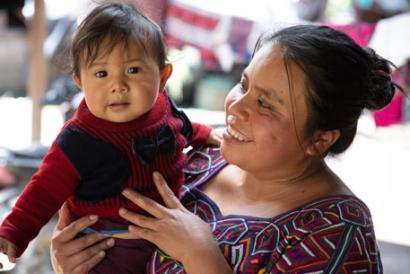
[{"x": 233, "y": 134}]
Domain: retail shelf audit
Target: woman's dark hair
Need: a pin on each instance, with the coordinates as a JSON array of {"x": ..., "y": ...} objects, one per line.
[
  {"x": 113, "y": 24},
  {"x": 342, "y": 77}
]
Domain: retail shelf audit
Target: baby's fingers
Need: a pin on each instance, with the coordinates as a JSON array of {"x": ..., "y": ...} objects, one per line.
[
  {"x": 9, "y": 249},
  {"x": 12, "y": 253}
]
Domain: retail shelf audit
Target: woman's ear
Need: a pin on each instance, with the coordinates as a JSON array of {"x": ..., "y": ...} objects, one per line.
[
  {"x": 76, "y": 80},
  {"x": 322, "y": 141},
  {"x": 165, "y": 74}
]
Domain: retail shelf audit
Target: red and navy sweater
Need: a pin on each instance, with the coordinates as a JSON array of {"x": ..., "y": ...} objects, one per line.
[{"x": 92, "y": 161}]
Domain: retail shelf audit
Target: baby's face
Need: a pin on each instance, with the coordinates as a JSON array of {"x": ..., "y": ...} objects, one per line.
[{"x": 121, "y": 85}]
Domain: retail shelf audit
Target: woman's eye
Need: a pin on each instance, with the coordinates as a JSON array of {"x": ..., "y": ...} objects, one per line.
[
  {"x": 101, "y": 74},
  {"x": 134, "y": 70},
  {"x": 262, "y": 104},
  {"x": 242, "y": 87}
]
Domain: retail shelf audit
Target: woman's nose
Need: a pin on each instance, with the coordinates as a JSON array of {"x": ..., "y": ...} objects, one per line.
[{"x": 240, "y": 107}]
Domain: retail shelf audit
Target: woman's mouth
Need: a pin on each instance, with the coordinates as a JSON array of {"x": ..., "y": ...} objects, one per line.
[{"x": 236, "y": 135}]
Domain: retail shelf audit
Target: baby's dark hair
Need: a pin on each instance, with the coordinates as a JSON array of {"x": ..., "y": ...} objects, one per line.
[
  {"x": 342, "y": 77},
  {"x": 115, "y": 23}
]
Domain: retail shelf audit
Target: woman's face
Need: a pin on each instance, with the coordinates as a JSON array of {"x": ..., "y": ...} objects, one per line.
[{"x": 265, "y": 124}]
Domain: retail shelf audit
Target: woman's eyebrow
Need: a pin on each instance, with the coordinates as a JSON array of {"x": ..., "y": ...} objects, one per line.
[{"x": 271, "y": 94}]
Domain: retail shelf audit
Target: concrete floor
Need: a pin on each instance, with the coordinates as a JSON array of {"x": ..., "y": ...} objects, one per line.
[{"x": 376, "y": 168}]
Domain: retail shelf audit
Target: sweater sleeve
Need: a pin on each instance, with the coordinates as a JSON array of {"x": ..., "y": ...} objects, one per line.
[
  {"x": 201, "y": 134},
  {"x": 50, "y": 186},
  {"x": 342, "y": 248}
]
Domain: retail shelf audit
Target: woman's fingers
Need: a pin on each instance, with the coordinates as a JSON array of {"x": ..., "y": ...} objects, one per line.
[
  {"x": 138, "y": 219},
  {"x": 64, "y": 261},
  {"x": 143, "y": 233},
  {"x": 89, "y": 264},
  {"x": 149, "y": 205},
  {"x": 169, "y": 198},
  {"x": 152, "y": 207},
  {"x": 66, "y": 236},
  {"x": 85, "y": 255},
  {"x": 63, "y": 217},
  {"x": 71, "y": 231},
  {"x": 83, "y": 242},
  {"x": 72, "y": 254}
]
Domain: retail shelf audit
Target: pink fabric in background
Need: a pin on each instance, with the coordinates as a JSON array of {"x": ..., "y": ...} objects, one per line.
[
  {"x": 359, "y": 32},
  {"x": 394, "y": 112},
  {"x": 391, "y": 114}
]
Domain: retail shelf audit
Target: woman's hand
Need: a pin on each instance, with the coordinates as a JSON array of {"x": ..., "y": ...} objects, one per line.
[
  {"x": 175, "y": 230},
  {"x": 76, "y": 255}
]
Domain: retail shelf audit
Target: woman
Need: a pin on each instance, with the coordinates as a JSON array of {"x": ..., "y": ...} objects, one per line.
[{"x": 270, "y": 203}]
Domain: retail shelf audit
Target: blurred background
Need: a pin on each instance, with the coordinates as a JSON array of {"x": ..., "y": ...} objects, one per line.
[{"x": 209, "y": 43}]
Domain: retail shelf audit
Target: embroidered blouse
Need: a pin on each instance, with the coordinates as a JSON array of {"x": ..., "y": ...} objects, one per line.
[{"x": 331, "y": 234}]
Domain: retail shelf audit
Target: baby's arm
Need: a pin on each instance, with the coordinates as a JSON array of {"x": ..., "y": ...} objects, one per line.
[
  {"x": 52, "y": 184},
  {"x": 205, "y": 135}
]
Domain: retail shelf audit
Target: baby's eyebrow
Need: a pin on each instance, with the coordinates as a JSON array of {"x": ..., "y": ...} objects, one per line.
[
  {"x": 102, "y": 63},
  {"x": 134, "y": 60},
  {"x": 95, "y": 64}
]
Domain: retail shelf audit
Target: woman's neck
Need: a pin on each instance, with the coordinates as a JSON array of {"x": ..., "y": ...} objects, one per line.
[
  {"x": 315, "y": 180},
  {"x": 239, "y": 192}
]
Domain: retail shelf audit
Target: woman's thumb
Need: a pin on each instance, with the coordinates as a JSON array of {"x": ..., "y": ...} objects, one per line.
[{"x": 63, "y": 217}]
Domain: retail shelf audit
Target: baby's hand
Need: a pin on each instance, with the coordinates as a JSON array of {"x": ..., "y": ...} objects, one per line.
[
  {"x": 215, "y": 137},
  {"x": 9, "y": 249}
]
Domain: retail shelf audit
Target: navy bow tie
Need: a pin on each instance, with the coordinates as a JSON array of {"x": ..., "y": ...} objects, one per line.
[{"x": 163, "y": 143}]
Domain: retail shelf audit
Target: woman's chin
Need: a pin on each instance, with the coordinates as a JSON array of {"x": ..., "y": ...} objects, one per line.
[{"x": 229, "y": 153}]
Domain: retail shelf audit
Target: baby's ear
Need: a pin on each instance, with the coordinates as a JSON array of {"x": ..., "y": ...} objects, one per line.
[
  {"x": 322, "y": 141},
  {"x": 165, "y": 74},
  {"x": 76, "y": 80}
]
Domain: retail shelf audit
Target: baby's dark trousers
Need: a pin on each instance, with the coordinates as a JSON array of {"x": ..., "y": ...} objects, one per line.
[{"x": 127, "y": 256}]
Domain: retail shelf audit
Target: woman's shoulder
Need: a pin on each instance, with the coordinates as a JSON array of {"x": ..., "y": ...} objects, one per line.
[
  {"x": 331, "y": 232},
  {"x": 327, "y": 212}
]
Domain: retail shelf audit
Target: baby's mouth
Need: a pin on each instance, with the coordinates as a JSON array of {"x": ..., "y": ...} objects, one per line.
[{"x": 118, "y": 105}]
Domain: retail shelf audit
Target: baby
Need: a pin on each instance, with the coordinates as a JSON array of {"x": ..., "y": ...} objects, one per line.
[{"x": 126, "y": 128}]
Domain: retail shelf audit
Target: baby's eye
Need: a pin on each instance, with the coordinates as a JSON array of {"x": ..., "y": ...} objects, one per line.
[
  {"x": 101, "y": 74},
  {"x": 134, "y": 70}
]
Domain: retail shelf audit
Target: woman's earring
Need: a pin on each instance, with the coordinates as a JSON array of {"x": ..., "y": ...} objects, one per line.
[{"x": 231, "y": 119}]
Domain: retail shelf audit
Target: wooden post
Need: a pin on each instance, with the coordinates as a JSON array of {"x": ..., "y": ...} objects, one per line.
[{"x": 38, "y": 70}]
